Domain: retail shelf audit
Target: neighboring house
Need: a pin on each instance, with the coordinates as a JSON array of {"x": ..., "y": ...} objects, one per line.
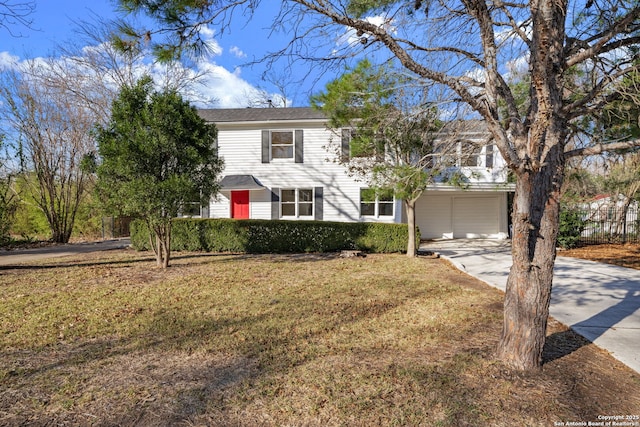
[
  {"x": 610, "y": 214},
  {"x": 280, "y": 163}
]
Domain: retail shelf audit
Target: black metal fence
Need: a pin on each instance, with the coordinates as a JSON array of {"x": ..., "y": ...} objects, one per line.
[{"x": 610, "y": 224}]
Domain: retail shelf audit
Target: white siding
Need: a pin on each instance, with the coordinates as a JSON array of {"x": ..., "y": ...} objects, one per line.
[
  {"x": 240, "y": 147},
  {"x": 440, "y": 213}
]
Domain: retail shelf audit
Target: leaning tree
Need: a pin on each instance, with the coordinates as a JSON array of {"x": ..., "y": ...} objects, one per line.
[{"x": 572, "y": 53}]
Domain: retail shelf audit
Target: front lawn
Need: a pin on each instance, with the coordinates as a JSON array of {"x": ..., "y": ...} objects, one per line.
[{"x": 273, "y": 340}]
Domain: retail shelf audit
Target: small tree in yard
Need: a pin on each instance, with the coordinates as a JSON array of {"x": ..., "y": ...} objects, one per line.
[
  {"x": 390, "y": 135},
  {"x": 157, "y": 155}
]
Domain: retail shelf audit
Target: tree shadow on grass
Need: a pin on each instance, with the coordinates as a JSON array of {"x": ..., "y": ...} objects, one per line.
[{"x": 202, "y": 257}]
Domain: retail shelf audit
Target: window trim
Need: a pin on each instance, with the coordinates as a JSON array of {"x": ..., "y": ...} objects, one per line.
[
  {"x": 184, "y": 211},
  {"x": 297, "y": 203},
  {"x": 292, "y": 145},
  {"x": 376, "y": 204},
  {"x": 481, "y": 154}
]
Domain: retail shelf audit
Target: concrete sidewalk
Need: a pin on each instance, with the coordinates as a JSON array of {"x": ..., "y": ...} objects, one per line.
[
  {"x": 19, "y": 256},
  {"x": 599, "y": 301}
]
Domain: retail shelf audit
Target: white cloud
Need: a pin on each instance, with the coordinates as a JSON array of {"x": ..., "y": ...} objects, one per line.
[
  {"x": 8, "y": 61},
  {"x": 351, "y": 37},
  {"x": 206, "y": 32},
  {"x": 228, "y": 88},
  {"x": 216, "y": 85},
  {"x": 518, "y": 66},
  {"x": 235, "y": 50}
]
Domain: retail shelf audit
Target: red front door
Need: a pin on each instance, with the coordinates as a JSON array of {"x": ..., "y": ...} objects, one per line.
[{"x": 240, "y": 204}]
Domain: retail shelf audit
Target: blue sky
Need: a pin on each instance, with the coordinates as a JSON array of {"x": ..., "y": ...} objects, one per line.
[
  {"x": 52, "y": 23},
  {"x": 231, "y": 81}
]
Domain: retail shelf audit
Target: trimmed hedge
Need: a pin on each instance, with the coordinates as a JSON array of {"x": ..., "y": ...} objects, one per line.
[{"x": 272, "y": 236}]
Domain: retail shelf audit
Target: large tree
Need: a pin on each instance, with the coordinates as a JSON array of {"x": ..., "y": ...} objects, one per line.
[
  {"x": 390, "y": 134},
  {"x": 50, "y": 129},
  {"x": 471, "y": 47},
  {"x": 157, "y": 156}
]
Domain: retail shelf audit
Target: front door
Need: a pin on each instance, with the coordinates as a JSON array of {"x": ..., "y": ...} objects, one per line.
[{"x": 240, "y": 204}]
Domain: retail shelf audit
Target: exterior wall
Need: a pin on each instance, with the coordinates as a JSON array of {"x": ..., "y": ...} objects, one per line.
[
  {"x": 240, "y": 147},
  {"x": 442, "y": 212}
]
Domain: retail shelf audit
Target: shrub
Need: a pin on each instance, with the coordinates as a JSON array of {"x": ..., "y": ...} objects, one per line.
[
  {"x": 185, "y": 235},
  {"x": 268, "y": 236},
  {"x": 570, "y": 228},
  {"x": 139, "y": 233}
]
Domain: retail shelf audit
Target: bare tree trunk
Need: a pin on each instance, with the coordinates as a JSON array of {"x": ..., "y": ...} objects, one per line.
[
  {"x": 159, "y": 249},
  {"x": 162, "y": 247},
  {"x": 411, "y": 225},
  {"x": 535, "y": 218},
  {"x": 166, "y": 244}
]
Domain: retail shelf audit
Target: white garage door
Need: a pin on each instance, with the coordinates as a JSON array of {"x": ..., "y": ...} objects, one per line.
[
  {"x": 475, "y": 217},
  {"x": 458, "y": 216},
  {"x": 433, "y": 217}
]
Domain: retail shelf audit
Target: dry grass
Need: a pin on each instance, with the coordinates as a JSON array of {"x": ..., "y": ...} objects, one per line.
[{"x": 304, "y": 340}]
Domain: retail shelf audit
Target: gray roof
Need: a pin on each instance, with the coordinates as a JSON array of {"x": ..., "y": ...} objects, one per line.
[
  {"x": 228, "y": 115},
  {"x": 240, "y": 182}
]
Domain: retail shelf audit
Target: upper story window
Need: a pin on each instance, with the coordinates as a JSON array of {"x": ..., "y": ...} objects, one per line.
[
  {"x": 282, "y": 144},
  {"x": 296, "y": 203},
  {"x": 464, "y": 154},
  {"x": 376, "y": 203},
  {"x": 363, "y": 145},
  {"x": 472, "y": 156},
  {"x": 477, "y": 156}
]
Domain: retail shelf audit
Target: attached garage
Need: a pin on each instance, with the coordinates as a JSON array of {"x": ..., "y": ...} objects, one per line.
[{"x": 462, "y": 215}]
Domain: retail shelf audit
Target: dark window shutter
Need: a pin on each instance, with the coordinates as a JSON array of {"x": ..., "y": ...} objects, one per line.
[
  {"x": 299, "y": 141},
  {"x": 317, "y": 196},
  {"x": 380, "y": 150},
  {"x": 345, "y": 143},
  {"x": 489, "y": 156},
  {"x": 275, "y": 203},
  {"x": 266, "y": 155}
]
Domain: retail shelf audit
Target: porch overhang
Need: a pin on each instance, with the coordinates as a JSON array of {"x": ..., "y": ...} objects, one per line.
[{"x": 240, "y": 182}]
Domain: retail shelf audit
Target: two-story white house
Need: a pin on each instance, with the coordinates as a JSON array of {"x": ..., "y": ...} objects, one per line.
[{"x": 278, "y": 166}]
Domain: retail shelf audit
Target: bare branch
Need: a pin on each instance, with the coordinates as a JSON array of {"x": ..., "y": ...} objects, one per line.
[
  {"x": 604, "y": 42},
  {"x": 16, "y": 13},
  {"x": 602, "y": 148}
]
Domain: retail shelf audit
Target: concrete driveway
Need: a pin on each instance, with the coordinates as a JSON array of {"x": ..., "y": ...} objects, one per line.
[
  {"x": 601, "y": 302},
  {"x": 19, "y": 256}
]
